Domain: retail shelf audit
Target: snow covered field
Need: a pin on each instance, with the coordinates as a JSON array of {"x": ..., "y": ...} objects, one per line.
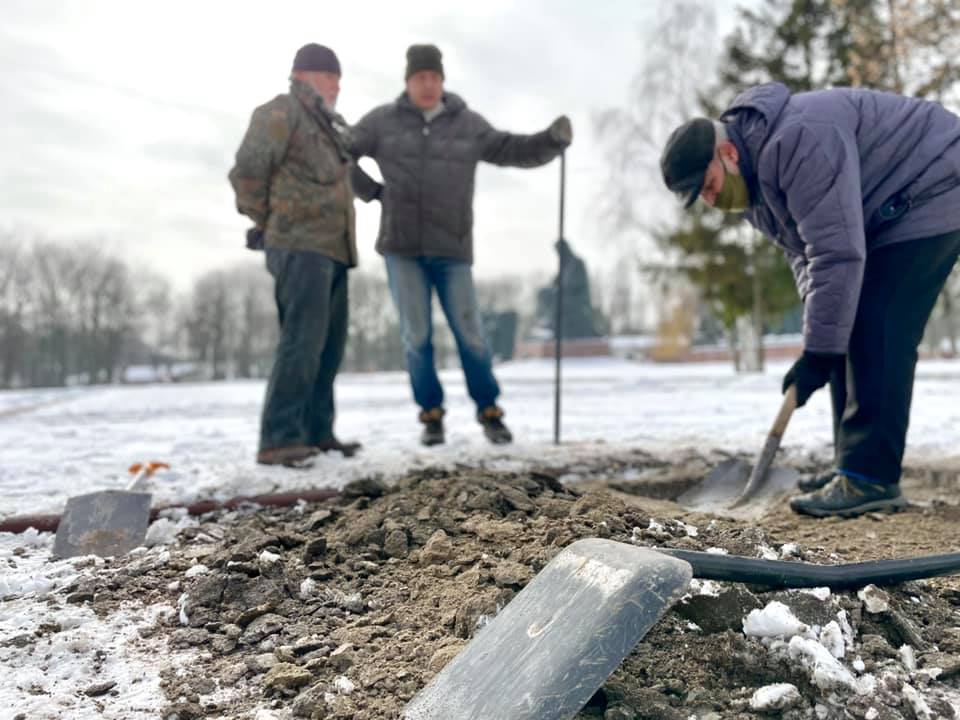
[{"x": 56, "y": 443}]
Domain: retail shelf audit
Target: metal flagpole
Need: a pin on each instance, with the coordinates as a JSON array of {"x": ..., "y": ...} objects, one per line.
[{"x": 558, "y": 325}]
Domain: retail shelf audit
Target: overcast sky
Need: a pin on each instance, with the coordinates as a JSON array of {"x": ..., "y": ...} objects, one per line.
[{"x": 120, "y": 119}]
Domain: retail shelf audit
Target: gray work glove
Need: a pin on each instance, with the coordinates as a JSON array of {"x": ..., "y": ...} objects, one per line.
[{"x": 561, "y": 131}]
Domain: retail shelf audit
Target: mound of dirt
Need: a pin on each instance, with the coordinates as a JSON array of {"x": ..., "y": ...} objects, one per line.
[{"x": 346, "y": 609}]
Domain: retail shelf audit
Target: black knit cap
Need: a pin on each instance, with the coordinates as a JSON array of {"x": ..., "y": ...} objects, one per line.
[
  {"x": 423, "y": 57},
  {"x": 686, "y": 157},
  {"x": 316, "y": 58}
]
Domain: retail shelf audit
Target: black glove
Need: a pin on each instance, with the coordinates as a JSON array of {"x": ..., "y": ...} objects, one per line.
[
  {"x": 561, "y": 131},
  {"x": 810, "y": 373},
  {"x": 255, "y": 238}
]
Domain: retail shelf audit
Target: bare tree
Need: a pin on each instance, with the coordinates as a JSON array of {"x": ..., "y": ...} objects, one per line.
[{"x": 211, "y": 321}]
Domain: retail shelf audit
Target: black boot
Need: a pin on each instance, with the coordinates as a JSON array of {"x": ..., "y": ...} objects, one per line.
[
  {"x": 491, "y": 417},
  {"x": 349, "y": 449},
  {"x": 849, "y": 497},
  {"x": 815, "y": 482},
  {"x": 432, "y": 427}
]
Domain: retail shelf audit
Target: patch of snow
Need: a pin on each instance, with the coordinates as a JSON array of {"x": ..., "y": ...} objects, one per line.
[
  {"x": 164, "y": 530},
  {"x": 308, "y": 588},
  {"x": 789, "y": 550},
  {"x": 268, "y": 558},
  {"x": 343, "y": 685},
  {"x": 195, "y": 570},
  {"x": 831, "y": 637},
  {"x": 875, "y": 600},
  {"x": 767, "y": 553},
  {"x": 825, "y": 670},
  {"x": 717, "y": 551},
  {"x": 846, "y": 628},
  {"x": 821, "y": 593},
  {"x": 182, "y": 607},
  {"x": 921, "y": 710},
  {"x": 908, "y": 657},
  {"x": 775, "y": 697},
  {"x": 775, "y": 620},
  {"x": 859, "y": 665}
]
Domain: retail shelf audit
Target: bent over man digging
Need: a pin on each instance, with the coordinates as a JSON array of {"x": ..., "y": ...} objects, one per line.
[
  {"x": 428, "y": 143},
  {"x": 861, "y": 190},
  {"x": 291, "y": 178}
]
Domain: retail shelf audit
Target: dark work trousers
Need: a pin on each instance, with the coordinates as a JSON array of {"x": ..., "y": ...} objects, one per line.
[
  {"x": 872, "y": 389},
  {"x": 311, "y": 295}
]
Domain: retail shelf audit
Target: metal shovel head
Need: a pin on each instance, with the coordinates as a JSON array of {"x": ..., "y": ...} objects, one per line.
[
  {"x": 549, "y": 650},
  {"x": 719, "y": 490},
  {"x": 111, "y": 522}
]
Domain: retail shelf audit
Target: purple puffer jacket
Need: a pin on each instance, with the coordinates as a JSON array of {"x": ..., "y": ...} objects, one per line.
[{"x": 834, "y": 175}]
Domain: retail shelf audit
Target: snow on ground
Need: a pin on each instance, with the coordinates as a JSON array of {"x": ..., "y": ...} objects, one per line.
[
  {"x": 56, "y": 443},
  {"x": 57, "y": 676}
]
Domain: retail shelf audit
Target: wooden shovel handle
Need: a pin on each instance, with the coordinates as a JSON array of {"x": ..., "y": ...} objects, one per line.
[{"x": 786, "y": 411}]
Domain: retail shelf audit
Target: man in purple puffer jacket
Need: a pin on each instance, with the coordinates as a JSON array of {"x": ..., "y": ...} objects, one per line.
[{"x": 861, "y": 190}]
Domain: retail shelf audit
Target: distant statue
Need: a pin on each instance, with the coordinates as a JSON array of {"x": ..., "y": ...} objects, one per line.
[{"x": 577, "y": 311}]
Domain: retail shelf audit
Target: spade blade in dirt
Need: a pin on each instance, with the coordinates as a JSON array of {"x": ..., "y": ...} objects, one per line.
[
  {"x": 719, "y": 489},
  {"x": 719, "y": 492},
  {"x": 735, "y": 490},
  {"x": 111, "y": 522},
  {"x": 549, "y": 650}
]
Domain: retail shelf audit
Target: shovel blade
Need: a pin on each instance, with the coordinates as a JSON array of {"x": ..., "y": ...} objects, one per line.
[
  {"x": 548, "y": 651},
  {"x": 111, "y": 522},
  {"x": 719, "y": 491}
]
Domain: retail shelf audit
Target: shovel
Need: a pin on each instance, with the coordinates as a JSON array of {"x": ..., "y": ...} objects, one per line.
[
  {"x": 733, "y": 489},
  {"x": 109, "y": 522},
  {"x": 548, "y": 651}
]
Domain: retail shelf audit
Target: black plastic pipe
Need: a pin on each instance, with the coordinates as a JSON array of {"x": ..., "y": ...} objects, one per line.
[{"x": 782, "y": 574}]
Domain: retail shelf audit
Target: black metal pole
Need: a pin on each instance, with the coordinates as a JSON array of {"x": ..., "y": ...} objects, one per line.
[{"x": 558, "y": 325}]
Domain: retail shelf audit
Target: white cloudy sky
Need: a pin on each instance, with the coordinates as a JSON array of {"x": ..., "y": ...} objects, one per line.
[{"x": 120, "y": 119}]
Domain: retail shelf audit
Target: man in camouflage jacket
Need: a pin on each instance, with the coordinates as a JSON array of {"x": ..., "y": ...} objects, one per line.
[{"x": 291, "y": 178}]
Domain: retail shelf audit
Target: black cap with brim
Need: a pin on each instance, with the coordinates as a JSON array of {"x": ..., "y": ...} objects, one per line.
[{"x": 685, "y": 159}]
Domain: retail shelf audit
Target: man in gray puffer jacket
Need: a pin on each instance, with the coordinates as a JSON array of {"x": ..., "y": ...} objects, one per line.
[
  {"x": 427, "y": 144},
  {"x": 861, "y": 190}
]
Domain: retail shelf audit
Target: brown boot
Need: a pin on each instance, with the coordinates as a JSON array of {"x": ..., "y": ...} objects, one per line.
[
  {"x": 295, "y": 456},
  {"x": 349, "y": 449},
  {"x": 432, "y": 427},
  {"x": 491, "y": 417}
]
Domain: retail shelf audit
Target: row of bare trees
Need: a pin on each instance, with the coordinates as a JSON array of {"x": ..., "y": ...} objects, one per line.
[
  {"x": 66, "y": 312},
  {"x": 77, "y": 314}
]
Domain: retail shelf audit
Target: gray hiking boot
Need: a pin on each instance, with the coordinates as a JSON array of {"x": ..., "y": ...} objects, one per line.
[
  {"x": 491, "y": 417},
  {"x": 849, "y": 497},
  {"x": 432, "y": 427},
  {"x": 815, "y": 482}
]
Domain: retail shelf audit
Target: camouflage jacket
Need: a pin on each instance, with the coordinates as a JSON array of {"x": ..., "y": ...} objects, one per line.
[{"x": 291, "y": 176}]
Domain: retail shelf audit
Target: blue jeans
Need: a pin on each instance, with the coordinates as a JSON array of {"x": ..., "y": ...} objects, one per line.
[
  {"x": 412, "y": 281},
  {"x": 311, "y": 296}
]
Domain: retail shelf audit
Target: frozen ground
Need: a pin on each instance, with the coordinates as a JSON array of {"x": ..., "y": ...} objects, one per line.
[{"x": 57, "y": 443}]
